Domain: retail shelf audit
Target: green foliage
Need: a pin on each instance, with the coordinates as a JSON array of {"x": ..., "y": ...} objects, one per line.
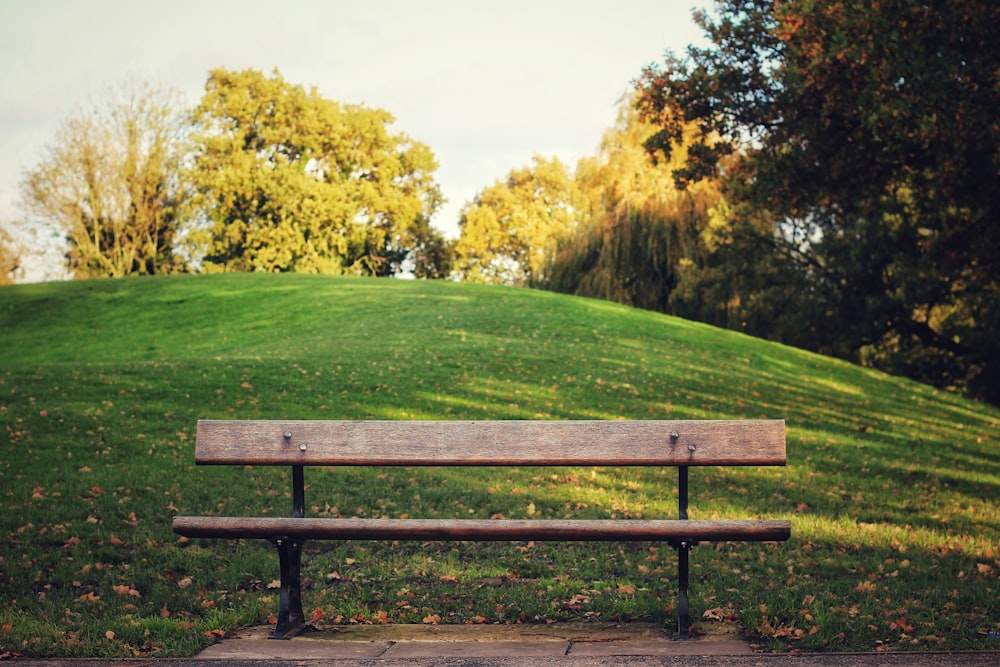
[
  {"x": 109, "y": 183},
  {"x": 290, "y": 181},
  {"x": 892, "y": 486},
  {"x": 433, "y": 257},
  {"x": 867, "y": 133},
  {"x": 510, "y": 230}
]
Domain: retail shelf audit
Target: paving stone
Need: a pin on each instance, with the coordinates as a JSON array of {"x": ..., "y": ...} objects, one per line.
[
  {"x": 661, "y": 647},
  {"x": 583, "y": 640},
  {"x": 293, "y": 649},
  {"x": 407, "y": 650}
]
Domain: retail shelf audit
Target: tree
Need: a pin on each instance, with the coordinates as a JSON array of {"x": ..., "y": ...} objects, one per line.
[
  {"x": 433, "y": 256},
  {"x": 286, "y": 180},
  {"x": 109, "y": 184},
  {"x": 10, "y": 257},
  {"x": 867, "y": 132},
  {"x": 511, "y": 228},
  {"x": 642, "y": 236}
]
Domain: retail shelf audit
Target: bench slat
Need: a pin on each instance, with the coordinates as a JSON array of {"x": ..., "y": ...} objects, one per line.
[
  {"x": 482, "y": 529},
  {"x": 484, "y": 443}
]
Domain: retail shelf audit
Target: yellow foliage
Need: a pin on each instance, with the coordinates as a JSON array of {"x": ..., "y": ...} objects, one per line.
[
  {"x": 511, "y": 229},
  {"x": 291, "y": 181}
]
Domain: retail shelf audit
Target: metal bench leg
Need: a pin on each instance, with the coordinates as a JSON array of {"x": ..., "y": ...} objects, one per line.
[
  {"x": 291, "y": 620},
  {"x": 683, "y": 549},
  {"x": 683, "y": 611}
]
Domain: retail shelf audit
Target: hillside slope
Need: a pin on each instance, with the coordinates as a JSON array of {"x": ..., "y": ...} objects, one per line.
[{"x": 892, "y": 486}]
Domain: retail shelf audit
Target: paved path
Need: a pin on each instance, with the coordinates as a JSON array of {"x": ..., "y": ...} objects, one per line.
[
  {"x": 557, "y": 645},
  {"x": 960, "y": 659}
]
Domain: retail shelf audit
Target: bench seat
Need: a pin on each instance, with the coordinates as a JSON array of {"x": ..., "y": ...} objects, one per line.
[{"x": 500, "y": 530}]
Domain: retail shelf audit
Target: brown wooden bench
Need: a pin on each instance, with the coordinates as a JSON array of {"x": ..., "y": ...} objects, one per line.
[{"x": 482, "y": 443}]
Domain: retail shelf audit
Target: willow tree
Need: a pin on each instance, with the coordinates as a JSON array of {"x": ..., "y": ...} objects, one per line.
[
  {"x": 643, "y": 237},
  {"x": 109, "y": 183},
  {"x": 287, "y": 180}
]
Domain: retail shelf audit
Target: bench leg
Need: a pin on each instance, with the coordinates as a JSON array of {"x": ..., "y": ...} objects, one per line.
[
  {"x": 683, "y": 610},
  {"x": 291, "y": 620},
  {"x": 683, "y": 549}
]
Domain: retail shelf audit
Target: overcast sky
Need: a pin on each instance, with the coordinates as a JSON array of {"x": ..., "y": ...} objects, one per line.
[{"x": 486, "y": 85}]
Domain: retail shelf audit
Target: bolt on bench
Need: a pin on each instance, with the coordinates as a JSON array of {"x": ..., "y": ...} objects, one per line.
[{"x": 482, "y": 443}]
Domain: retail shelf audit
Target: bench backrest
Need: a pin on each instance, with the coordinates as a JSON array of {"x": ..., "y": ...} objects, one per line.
[{"x": 486, "y": 443}]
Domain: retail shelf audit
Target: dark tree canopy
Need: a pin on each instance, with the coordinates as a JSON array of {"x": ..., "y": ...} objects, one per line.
[{"x": 869, "y": 133}]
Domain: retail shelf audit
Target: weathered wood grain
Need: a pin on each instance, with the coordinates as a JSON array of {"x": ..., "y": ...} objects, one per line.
[
  {"x": 482, "y": 529},
  {"x": 485, "y": 443}
]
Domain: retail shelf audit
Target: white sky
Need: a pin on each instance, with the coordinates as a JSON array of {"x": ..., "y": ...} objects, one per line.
[{"x": 486, "y": 85}]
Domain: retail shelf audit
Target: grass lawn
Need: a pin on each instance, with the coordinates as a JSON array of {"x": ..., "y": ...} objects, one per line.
[{"x": 893, "y": 488}]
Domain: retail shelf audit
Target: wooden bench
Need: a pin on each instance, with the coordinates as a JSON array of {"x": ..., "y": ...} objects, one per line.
[{"x": 482, "y": 443}]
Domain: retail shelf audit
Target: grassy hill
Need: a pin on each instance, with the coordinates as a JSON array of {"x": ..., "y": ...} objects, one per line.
[{"x": 893, "y": 488}]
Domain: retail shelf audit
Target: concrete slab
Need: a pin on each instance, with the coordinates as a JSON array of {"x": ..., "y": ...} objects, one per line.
[
  {"x": 594, "y": 631},
  {"x": 296, "y": 649},
  {"x": 901, "y": 659},
  {"x": 470, "y": 649},
  {"x": 658, "y": 648},
  {"x": 414, "y": 642}
]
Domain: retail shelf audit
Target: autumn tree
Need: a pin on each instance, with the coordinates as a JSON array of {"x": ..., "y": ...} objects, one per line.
[
  {"x": 510, "y": 229},
  {"x": 867, "y": 133},
  {"x": 641, "y": 236},
  {"x": 286, "y": 180},
  {"x": 109, "y": 184},
  {"x": 10, "y": 257}
]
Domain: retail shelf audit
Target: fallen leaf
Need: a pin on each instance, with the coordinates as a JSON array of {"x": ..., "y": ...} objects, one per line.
[
  {"x": 865, "y": 586},
  {"x": 716, "y": 614}
]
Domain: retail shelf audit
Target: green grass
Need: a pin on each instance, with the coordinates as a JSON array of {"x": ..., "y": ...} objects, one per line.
[{"x": 892, "y": 487}]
